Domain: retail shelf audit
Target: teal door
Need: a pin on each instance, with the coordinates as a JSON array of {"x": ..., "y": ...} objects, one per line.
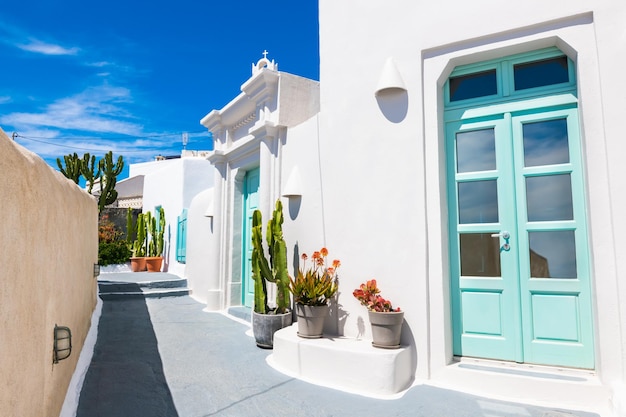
[
  {"x": 519, "y": 262},
  {"x": 250, "y": 203}
]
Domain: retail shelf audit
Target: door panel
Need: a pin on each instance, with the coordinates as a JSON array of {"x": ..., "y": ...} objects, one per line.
[
  {"x": 484, "y": 287},
  {"x": 250, "y": 203},
  {"x": 518, "y": 239}
]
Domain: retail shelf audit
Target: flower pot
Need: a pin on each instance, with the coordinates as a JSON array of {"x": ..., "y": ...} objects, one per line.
[
  {"x": 137, "y": 264},
  {"x": 264, "y": 326},
  {"x": 311, "y": 320},
  {"x": 153, "y": 263},
  {"x": 386, "y": 328}
]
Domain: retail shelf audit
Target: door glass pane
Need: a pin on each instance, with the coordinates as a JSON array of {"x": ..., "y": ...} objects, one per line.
[
  {"x": 478, "y": 202},
  {"x": 545, "y": 143},
  {"x": 476, "y": 150},
  {"x": 480, "y": 255},
  {"x": 552, "y": 254},
  {"x": 541, "y": 73},
  {"x": 549, "y": 197},
  {"x": 479, "y": 84}
]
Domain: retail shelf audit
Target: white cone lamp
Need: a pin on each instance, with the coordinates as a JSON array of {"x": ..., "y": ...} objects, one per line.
[{"x": 390, "y": 81}]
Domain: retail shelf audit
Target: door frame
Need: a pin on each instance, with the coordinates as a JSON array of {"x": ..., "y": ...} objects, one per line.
[{"x": 485, "y": 109}]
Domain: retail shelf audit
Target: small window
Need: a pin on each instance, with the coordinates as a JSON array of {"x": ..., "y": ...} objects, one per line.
[
  {"x": 479, "y": 84},
  {"x": 541, "y": 73}
]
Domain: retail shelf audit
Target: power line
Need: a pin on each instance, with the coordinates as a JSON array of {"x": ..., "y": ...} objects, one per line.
[{"x": 131, "y": 150}]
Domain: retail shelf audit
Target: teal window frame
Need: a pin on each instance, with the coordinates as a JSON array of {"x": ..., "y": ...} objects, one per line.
[
  {"x": 181, "y": 237},
  {"x": 505, "y": 79}
]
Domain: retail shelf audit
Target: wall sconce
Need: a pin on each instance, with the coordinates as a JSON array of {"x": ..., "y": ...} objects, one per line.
[
  {"x": 293, "y": 186},
  {"x": 96, "y": 270},
  {"x": 390, "y": 80},
  {"x": 62, "y": 343}
]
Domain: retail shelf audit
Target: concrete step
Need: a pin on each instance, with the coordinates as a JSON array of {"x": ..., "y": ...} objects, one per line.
[{"x": 115, "y": 290}]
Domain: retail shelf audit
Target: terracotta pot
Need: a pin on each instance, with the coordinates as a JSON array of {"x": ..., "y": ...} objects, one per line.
[
  {"x": 264, "y": 326},
  {"x": 137, "y": 264},
  {"x": 154, "y": 263},
  {"x": 386, "y": 328},
  {"x": 311, "y": 320}
]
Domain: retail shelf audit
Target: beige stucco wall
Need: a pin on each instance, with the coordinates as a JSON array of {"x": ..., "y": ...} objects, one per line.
[{"x": 49, "y": 243}]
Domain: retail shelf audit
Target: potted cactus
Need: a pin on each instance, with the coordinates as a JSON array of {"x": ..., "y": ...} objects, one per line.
[
  {"x": 154, "y": 261},
  {"x": 266, "y": 320},
  {"x": 138, "y": 248}
]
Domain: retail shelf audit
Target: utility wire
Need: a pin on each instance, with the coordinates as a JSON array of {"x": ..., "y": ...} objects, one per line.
[{"x": 133, "y": 150}]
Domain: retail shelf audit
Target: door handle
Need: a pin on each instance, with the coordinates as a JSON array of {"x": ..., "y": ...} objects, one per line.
[{"x": 506, "y": 236}]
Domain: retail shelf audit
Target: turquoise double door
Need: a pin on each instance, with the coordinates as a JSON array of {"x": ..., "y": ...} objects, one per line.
[
  {"x": 520, "y": 275},
  {"x": 250, "y": 204}
]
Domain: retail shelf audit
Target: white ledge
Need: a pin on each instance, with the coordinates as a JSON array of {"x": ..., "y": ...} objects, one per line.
[{"x": 342, "y": 363}]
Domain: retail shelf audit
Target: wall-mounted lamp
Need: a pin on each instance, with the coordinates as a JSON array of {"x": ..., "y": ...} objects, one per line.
[
  {"x": 96, "y": 270},
  {"x": 390, "y": 80},
  {"x": 293, "y": 186},
  {"x": 62, "y": 343}
]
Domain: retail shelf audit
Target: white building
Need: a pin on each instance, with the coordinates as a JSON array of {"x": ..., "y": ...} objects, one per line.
[
  {"x": 469, "y": 157},
  {"x": 172, "y": 184}
]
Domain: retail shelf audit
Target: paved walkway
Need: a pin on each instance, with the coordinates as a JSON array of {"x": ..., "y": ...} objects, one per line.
[{"x": 167, "y": 357}]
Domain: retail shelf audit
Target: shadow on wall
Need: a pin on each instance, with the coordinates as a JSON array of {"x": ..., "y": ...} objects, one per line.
[
  {"x": 125, "y": 376},
  {"x": 394, "y": 104}
]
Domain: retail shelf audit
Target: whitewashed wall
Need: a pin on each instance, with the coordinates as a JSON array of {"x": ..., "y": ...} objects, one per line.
[
  {"x": 383, "y": 176},
  {"x": 173, "y": 184},
  {"x": 199, "y": 250}
]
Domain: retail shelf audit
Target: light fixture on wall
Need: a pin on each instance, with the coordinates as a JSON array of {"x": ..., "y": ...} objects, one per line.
[
  {"x": 62, "y": 343},
  {"x": 293, "y": 186},
  {"x": 390, "y": 80},
  {"x": 96, "y": 270}
]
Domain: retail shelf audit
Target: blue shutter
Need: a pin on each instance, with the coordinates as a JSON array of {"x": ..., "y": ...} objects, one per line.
[{"x": 181, "y": 238}]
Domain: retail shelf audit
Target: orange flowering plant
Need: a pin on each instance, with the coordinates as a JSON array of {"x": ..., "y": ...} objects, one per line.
[
  {"x": 369, "y": 296},
  {"x": 317, "y": 284}
]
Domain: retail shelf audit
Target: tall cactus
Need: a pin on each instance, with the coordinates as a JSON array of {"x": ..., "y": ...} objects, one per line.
[
  {"x": 131, "y": 227},
  {"x": 161, "y": 233},
  {"x": 139, "y": 245},
  {"x": 88, "y": 170},
  {"x": 274, "y": 270},
  {"x": 73, "y": 167},
  {"x": 110, "y": 171}
]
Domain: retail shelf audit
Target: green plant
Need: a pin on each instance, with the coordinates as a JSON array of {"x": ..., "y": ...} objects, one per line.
[
  {"x": 88, "y": 170},
  {"x": 140, "y": 243},
  {"x": 113, "y": 253},
  {"x": 110, "y": 171},
  {"x": 368, "y": 295},
  {"x": 317, "y": 284},
  {"x": 112, "y": 249},
  {"x": 107, "y": 172},
  {"x": 273, "y": 270},
  {"x": 73, "y": 167},
  {"x": 131, "y": 228},
  {"x": 157, "y": 234}
]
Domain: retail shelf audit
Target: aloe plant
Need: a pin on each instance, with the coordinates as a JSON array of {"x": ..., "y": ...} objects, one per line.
[{"x": 274, "y": 269}]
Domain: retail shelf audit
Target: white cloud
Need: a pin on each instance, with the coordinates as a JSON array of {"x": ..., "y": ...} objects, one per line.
[
  {"x": 97, "y": 109},
  {"x": 5, "y": 99},
  {"x": 40, "y": 47}
]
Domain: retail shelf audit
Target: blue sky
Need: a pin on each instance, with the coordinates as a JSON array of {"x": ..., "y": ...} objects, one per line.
[{"x": 131, "y": 77}]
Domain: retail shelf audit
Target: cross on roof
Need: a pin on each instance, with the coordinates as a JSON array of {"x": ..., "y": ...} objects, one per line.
[{"x": 265, "y": 53}]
